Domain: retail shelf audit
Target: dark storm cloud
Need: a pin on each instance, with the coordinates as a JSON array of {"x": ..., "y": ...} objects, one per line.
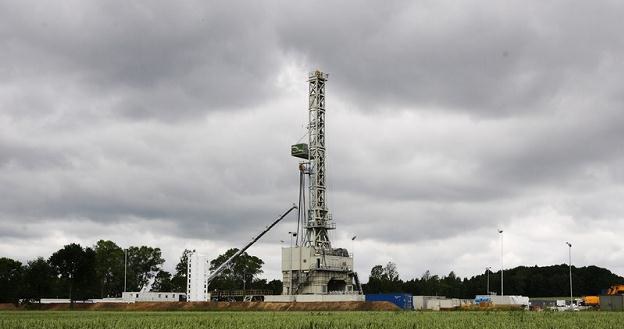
[
  {"x": 444, "y": 119},
  {"x": 483, "y": 58},
  {"x": 164, "y": 61}
]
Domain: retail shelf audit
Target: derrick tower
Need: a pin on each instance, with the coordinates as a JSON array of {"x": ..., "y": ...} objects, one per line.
[
  {"x": 312, "y": 266},
  {"x": 318, "y": 220}
]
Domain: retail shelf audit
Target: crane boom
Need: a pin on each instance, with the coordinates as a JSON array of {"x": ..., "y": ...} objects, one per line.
[{"x": 219, "y": 269}]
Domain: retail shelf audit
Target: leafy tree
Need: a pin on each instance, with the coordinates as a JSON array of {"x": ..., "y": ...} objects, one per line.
[
  {"x": 39, "y": 280},
  {"x": 66, "y": 263},
  {"x": 76, "y": 269},
  {"x": 377, "y": 272},
  {"x": 109, "y": 268},
  {"x": 390, "y": 272},
  {"x": 162, "y": 282},
  {"x": 10, "y": 280},
  {"x": 383, "y": 279},
  {"x": 244, "y": 267},
  {"x": 143, "y": 264},
  {"x": 275, "y": 285},
  {"x": 179, "y": 278}
]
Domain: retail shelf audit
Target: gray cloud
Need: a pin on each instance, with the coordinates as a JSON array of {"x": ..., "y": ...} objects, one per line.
[
  {"x": 170, "y": 124},
  {"x": 163, "y": 61},
  {"x": 481, "y": 58}
]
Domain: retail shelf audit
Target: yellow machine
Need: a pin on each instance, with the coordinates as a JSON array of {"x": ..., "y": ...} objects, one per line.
[
  {"x": 591, "y": 300},
  {"x": 617, "y": 289}
]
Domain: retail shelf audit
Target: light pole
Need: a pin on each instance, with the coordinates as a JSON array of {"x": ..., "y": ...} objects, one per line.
[
  {"x": 353, "y": 260},
  {"x": 244, "y": 284},
  {"x": 292, "y": 235},
  {"x": 125, "y": 268},
  {"x": 501, "y": 243},
  {"x": 570, "y": 266},
  {"x": 487, "y": 271},
  {"x": 352, "y": 250}
]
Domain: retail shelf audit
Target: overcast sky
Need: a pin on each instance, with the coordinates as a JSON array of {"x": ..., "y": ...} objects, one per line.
[{"x": 169, "y": 123}]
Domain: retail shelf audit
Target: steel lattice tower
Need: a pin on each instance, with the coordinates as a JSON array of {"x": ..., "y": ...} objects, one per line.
[
  {"x": 313, "y": 266},
  {"x": 319, "y": 218}
]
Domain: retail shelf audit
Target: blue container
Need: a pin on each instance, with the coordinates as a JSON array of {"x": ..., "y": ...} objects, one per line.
[
  {"x": 482, "y": 299},
  {"x": 404, "y": 301}
]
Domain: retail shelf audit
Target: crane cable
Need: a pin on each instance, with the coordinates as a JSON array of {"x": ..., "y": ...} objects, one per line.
[{"x": 302, "y": 137}]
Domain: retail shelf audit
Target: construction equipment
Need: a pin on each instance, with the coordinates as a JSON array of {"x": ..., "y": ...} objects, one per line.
[
  {"x": 219, "y": 269},
  {"x": 591, "y": 301},
  {"x": 594, "y": 301},
  {"x": 617, "y": 289}
]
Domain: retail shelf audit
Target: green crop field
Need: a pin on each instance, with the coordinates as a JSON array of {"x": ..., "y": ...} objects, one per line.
[{"x": 342, "y": 320}]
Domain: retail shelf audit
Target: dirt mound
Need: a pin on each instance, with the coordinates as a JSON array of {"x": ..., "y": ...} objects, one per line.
[
  {"x": 220, "y": 306},
  {"x": 7, "y": 307}
]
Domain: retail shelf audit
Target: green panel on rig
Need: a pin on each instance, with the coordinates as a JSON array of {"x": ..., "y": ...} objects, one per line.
[{"x": 300, "y": 151}]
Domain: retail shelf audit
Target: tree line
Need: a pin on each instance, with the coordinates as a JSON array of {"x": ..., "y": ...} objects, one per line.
[
  {"x": 545, "y": 281},
  {"x": 102, "y": 270},
  {"x": 98, "y": 271}
]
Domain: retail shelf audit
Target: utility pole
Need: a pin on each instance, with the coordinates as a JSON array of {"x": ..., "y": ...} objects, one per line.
[
  {"x": 487, "y": 271},
  {"x": 501, "y": 243},
  {"x": 125, "y": 269},
  {"x": 570, "y": 266},
  {"x": 353, "y": 251}
]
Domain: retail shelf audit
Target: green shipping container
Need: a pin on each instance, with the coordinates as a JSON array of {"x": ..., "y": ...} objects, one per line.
[{"x": 300, "y": 151}]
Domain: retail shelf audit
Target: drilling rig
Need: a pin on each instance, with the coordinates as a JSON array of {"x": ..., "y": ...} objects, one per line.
[{"x": 312, "y": 265}]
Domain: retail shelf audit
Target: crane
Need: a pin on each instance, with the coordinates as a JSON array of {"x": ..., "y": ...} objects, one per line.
[{"x": 221, "y": 267}]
